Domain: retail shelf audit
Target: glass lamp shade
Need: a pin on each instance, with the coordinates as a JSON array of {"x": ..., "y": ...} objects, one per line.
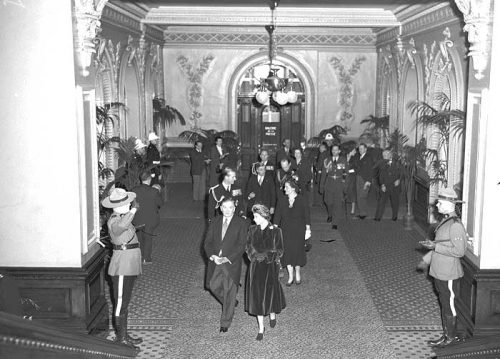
[
  {"x": 292, "y": 96},
  {"x": 262, "y": 97},
  {"x": 274, "y": 83},
  {"x": 280, "y": 97}
]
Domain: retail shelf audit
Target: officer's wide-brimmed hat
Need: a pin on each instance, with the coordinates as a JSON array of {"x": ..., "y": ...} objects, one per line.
[
  {"x": 449, "y": 194},
  {"x": 328, "y": 136},
  {"x": 152, "y": 136},
  {"x": 117, "y": 198},
  {"x": 139, "y": 144}
]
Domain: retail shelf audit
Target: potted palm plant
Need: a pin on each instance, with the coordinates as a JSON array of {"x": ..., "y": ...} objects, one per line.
[
  {"x": 377, "y": 129},
  {"x": 446, "y": 124}
]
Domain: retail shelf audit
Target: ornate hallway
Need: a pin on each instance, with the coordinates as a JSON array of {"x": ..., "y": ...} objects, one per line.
[{"x": 360, "y": 297}]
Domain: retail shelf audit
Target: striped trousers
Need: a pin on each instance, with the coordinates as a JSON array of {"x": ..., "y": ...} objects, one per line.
[{"x": 447, "y": 291}]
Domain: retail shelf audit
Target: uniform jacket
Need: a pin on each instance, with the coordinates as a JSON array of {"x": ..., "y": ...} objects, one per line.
[
  {"x": 122, "y": 231},
  {"x": 217, "y": 193},
  {"x": 364, "y": 166},
  {"x": 197, "y": 161},
  {"x": 270, "y": 168},
  {"x": 232, "y": 245},
  {"x": 150, "y": 201},
  {"x": 332, "y": 172},
  {"x": 451, "y": 242},
  {"x": 152, "y": 154},
  {"x": 264, "y": 193}
]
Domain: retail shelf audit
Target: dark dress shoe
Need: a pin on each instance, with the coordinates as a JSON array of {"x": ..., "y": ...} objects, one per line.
[
  {"x": 260, "y": 336},
  {"x": 223, "y": 330},
  {"x": 448, "y": 341},
  {"x": 329, "y": 219},
  {"x": 438, "y": 341},
  {"x": 376, "y": 219},
  {"x": 361, "y": 217},
  {"x": 394, "y": 218},
  {"x": 128, "y": 343},
  {"x": 334, "y": 226},
  {"x": 298, "y": 282},
  {"x": 133, "y": 340},
  {"x": 289, "y": 284},
  {"x": 272, "y": 323}
]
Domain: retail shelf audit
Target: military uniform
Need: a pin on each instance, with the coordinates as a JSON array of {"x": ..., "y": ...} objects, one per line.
[
  {"x": 446, "y": 269},
  {"x": 217, "y": 193},
  {"x": 332, "y": 186}
]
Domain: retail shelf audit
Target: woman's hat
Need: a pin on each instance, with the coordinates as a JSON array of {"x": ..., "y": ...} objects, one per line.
[
  {"x": 448, "y": 194},
  {"x": 117, "y": 198},
  {"x": 152, "y": 136}
]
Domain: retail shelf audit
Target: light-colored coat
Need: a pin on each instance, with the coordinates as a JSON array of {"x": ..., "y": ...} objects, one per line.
[
  {"x": 122, "y": 231},
  {"x": 451, "y": 242}
]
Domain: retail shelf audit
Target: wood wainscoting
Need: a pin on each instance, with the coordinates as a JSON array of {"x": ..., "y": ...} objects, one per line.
[
  {"x": 69, "y": 298},
  {"x": 421, "y": 202},
  {"x": 478, "y": 302}
]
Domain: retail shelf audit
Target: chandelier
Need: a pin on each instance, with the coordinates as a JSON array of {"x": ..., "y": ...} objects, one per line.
[{"x": 274, "y": 86}]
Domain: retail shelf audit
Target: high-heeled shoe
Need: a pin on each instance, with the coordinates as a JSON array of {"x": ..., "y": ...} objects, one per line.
[
  {"x": 289, "y": 284},
  {"x": 298, "y": 282},
  {"x": 272, "y": 323},
  {"x": 260, "y": 336}
]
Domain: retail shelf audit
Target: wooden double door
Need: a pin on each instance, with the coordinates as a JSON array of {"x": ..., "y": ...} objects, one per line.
[{"x": 266, "y": 126}]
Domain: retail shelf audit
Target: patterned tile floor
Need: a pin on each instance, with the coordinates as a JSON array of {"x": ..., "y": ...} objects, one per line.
[{"x": 403, "y": 298}]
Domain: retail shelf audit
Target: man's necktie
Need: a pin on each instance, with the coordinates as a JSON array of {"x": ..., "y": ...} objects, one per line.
[
  {"x": 335, "y": 161},
  {"x": 224, "y": 227}
]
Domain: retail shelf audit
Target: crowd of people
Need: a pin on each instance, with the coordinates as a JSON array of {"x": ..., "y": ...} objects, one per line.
[{"x": 269, "y": 220}]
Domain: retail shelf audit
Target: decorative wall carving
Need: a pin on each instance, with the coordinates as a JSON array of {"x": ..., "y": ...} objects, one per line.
[
  {"x": 259, "y": 39},
  {"x": 195, "y": 78},
  {"x": 346, "y": 92},
  {"x": 477, "y": 17},
  {"x": 87, "y": 26},
  {"x": 13, "y": 2}
]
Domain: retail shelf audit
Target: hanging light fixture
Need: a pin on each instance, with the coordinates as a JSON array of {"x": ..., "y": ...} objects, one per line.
[{"x": 273, "y": 84}]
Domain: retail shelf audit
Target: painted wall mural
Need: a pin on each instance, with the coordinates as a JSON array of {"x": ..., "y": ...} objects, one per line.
[
  {"x": 195, "y": 88},
  {"x": 346, "y": 93}
]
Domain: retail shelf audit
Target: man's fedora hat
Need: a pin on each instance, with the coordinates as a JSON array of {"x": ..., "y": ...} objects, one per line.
[
  {"x": 328, "y": 136},
  {"x": 449, "y": 194},
  {"x": 117, "y": 198}
]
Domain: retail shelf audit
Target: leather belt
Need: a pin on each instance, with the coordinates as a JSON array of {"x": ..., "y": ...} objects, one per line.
[{"x": 122, "y": 247}]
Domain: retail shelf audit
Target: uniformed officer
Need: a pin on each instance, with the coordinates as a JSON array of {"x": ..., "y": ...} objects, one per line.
[
  {"x": 332, "y": 184},
  {"x": 225, "y": 189},
  {"x": 447, "y": 248},
  {"x": 125, "y": 264},
  {"x": 264, "y": 160}
]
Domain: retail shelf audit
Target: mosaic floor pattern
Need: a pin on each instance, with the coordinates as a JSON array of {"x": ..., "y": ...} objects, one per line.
[{"x": 401, "y": 300}]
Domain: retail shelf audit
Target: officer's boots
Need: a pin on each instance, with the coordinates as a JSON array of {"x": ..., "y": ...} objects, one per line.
[
  {"x": 121, "y": 333},
  {"x": 131, "y": 339},
  {"x": 450, "y": 333}
]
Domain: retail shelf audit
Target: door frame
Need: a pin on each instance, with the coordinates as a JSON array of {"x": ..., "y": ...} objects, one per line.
[{"x": 302, "y": 70}]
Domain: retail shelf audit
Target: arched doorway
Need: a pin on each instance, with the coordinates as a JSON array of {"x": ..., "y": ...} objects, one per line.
[{"x": 266, "y": 126}]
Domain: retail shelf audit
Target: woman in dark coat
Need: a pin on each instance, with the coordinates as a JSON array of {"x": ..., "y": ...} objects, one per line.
[
  {"x": 264, "y": 295},
  {"x": 293, "y": 216}
]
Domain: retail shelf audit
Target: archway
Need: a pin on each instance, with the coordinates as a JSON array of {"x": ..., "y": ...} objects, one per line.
[{"x": 293, "y": 69}]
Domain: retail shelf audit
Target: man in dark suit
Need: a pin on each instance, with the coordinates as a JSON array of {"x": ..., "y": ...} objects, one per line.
[
  {"x": 363, "y": 167},
  {"x": 283, "y": 152},
  {"x": 224, "y": 246},
  {"x": 332, "y": 184},
  {"x": 260, "y": 188},
  {"x": 147, "y": 217},
  {"x": 389, "y": 177},
  {"x": 225, "y": 189},
  {"x": 218, "y": 154},
  {"x": 153, "y": 158},
  {"x": 199, "y": 159}
]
